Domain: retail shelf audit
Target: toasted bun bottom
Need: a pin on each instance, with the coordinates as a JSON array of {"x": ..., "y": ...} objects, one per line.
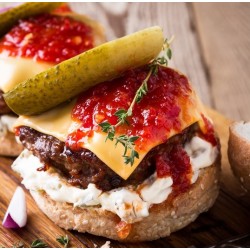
[
  {"x": 165, "y": 218},
  {"x": 9, "y": 146}
]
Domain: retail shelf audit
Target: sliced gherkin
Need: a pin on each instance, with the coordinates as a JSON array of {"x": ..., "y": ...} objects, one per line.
[
  {"x": 11, "y": 16},
  {"x": 69, "y": 78}
]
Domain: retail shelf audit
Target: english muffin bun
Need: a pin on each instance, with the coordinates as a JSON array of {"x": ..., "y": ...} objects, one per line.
[
  {"x": 164, "y": 218},
  {"x": 239, "y": 152}
]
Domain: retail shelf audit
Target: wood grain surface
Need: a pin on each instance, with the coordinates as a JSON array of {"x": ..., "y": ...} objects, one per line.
[
  {"x": 228, "y": 217},
  {"x": 224, "y": 32},
  {"x": 212, "y": 48}
]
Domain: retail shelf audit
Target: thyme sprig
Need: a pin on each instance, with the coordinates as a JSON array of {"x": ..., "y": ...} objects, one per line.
[
  {"x": 38, "y": 243},
  {"x": 164, "y": 56},
  {"x": 64, "y": 240},
  {"x": 128, "y": 142}
]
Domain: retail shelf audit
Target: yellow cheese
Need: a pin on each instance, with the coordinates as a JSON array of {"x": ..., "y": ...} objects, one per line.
[
  {"x": 14, "y": 70},
  {"x": 56, "y": 122}
]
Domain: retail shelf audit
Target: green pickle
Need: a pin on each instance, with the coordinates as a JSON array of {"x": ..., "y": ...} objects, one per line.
[
  {"x": 71, "y": 77},
  {"x": 10, "y": 17}
]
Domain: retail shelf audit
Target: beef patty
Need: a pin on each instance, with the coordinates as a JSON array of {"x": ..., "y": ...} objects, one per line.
[
  {"x": 4, "y": 109},
  {"x": 83, "y": 167}
]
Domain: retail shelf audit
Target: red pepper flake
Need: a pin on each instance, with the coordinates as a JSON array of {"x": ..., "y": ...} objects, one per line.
[
  {"x": 17, "y": 131},
  {"x": 44, "y": 168},
  {"x": 76, "y": 139},
  {"x": 123, "y": 229}
]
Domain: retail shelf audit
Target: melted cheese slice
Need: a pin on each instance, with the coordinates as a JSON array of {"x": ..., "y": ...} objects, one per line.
[
  {"x": 58, "y": 123},
  {"x": 14, "y": 70}
]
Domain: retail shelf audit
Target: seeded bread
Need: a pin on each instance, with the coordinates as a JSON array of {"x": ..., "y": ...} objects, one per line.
[{"x": 165, "y": 218}]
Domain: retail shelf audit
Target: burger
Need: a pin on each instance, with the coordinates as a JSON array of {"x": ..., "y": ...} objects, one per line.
[
  {"x": 132, "y": 157},
  {"x": 34, "y": 43}
]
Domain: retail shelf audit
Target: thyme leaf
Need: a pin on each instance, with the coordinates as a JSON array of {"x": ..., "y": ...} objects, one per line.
[
  {"x": 128, "y": 142},
  {"x": 142, "y": 91},
  {"x": 122, "y": 115},
  {"x": 164, "y": 56}
]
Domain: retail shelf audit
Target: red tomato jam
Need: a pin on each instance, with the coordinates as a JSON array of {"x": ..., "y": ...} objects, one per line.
[
  {"x": 48, "y": 38},
  {"x": 153, "y": 117},
  {"x": 209, "y": 134},
  {"x": 16, "y": 131},
  {"x": 176, "y": 164}
]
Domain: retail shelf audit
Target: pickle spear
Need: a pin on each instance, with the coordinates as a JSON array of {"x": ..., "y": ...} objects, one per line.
[
  {"x": 71, "y": 77},
  {"x": 11, "y": 16}
]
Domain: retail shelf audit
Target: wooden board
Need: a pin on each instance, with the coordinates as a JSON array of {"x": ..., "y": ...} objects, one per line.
[{"x": 228, "y": 217}]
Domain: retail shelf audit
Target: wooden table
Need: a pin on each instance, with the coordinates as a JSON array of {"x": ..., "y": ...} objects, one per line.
[{"x": 212, "y": 47}]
